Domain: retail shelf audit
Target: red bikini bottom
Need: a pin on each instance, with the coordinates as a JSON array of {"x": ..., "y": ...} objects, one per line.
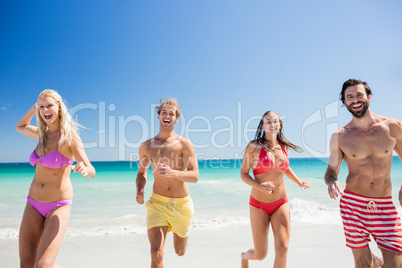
[{"x": 269, "y": 208}]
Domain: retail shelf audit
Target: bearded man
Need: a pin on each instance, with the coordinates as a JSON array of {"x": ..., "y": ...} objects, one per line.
[{"x": 366, "y": 144}]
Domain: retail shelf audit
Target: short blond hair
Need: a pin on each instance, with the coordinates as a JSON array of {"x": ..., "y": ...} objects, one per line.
[{"x": 171, "y": 102}]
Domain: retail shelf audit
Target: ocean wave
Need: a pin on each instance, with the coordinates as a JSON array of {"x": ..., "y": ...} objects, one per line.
[
  {"x": 311, "y": 212},
  {"x": 302, "y": 211},
  {"x": 106, "y": 230},
  {"x": 218, "y": 222},
  {"x": 9, "y": 233},
  {"x": 126, "y": 224}
]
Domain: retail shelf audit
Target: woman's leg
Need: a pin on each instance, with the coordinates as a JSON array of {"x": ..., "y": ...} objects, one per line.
[
  {"x": 259, "y": 220},
  {"x": 280, "y": 222},
  {"x": 31, "y": 230},
  {"x": 55, "y": 228}
]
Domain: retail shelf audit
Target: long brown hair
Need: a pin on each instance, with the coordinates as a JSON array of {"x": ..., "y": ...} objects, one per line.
[{"x": 261, "y": 140}]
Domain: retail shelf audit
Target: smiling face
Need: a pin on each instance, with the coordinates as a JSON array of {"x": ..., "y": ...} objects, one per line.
[
  {"x": 271, "y": 123},
  {"x": 356, "y": 100},
  {"x": 48, "y": 109},
  {"x": 168, "y": 116}
]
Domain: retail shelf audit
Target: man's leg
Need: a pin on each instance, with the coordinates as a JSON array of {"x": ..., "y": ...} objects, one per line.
[
  {"x": 157, "y": 237},
  {"x": 377, "y": 260},
  {"x": 391, "y": 259},
  {"x": 363, "y": 257},
  {"x": 180, "y": 244},
  {"x": 180, "y": 223}
]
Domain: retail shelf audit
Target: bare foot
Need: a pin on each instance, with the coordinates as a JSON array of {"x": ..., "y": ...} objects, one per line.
[
  {"x": 377, "y": 260},
  {"x": 244, "y": 262}
]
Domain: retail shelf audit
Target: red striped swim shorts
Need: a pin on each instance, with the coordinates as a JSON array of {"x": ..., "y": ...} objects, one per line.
[{"x": 364, "y": 216}]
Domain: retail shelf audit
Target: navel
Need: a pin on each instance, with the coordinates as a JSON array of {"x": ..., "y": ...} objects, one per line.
[
  {"x": 372, "y": 184},
  {"x": 353, "y": 155},
  {"x": 386, "y": 151}
]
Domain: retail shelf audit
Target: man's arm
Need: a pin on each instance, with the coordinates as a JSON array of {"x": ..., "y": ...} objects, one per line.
[
  {"x": 400, "y": 196},
  {"x": 396, "y": 131},
  {"x": 334, "y": 164},
  {"x": 142, "y": 174},
  {"x": 191, "y": 173}
]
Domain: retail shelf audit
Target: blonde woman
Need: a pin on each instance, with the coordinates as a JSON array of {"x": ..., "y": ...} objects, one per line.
[
  {"x": 267, "y": 155},
  {"x": 47, "y": 211}
]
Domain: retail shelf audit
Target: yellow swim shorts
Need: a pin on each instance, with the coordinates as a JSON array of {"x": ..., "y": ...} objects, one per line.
[{"x": 176, "y": 213}]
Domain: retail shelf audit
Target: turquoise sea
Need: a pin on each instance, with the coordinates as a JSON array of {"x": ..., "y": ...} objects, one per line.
[{"x": 106, "y": 204}]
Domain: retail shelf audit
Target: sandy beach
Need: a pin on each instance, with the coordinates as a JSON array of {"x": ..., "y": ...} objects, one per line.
[{"x": 313, "y": 246}]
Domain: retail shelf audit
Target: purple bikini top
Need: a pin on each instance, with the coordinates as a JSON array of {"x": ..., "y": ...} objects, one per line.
[{"x": 51, "y": 160}]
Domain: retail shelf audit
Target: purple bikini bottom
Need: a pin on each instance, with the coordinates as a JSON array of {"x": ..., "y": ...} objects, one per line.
[{"x": 45, "y": 208}]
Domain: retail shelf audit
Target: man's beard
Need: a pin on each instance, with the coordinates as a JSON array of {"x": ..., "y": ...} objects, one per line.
[{"x": 362, "y": 110}]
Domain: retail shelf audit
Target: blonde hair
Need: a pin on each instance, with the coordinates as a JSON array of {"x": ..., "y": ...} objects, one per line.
[
  {"x": 66, "y": 123},
  {"x": 172, "y": 102}
]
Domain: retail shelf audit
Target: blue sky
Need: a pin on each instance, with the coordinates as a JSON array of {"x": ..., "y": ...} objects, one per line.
[{"x": 227, "y": 62}]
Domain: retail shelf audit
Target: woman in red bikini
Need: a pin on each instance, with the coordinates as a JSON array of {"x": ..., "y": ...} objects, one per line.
[
  {"x": 267, "y": 155},
  {"x": 47, "y": 212}
]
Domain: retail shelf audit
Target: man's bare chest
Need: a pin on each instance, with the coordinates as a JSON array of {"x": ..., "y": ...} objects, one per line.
[
  {"x": 360, "y": 144},
  {"x": 165, "y": 153}
]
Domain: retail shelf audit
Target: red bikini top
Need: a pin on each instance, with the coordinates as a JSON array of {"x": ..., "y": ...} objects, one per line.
[{"x": 265, "y": 164}]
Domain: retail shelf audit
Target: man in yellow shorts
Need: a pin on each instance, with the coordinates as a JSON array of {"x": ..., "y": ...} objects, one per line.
[{"x": 173, "y": 162}]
